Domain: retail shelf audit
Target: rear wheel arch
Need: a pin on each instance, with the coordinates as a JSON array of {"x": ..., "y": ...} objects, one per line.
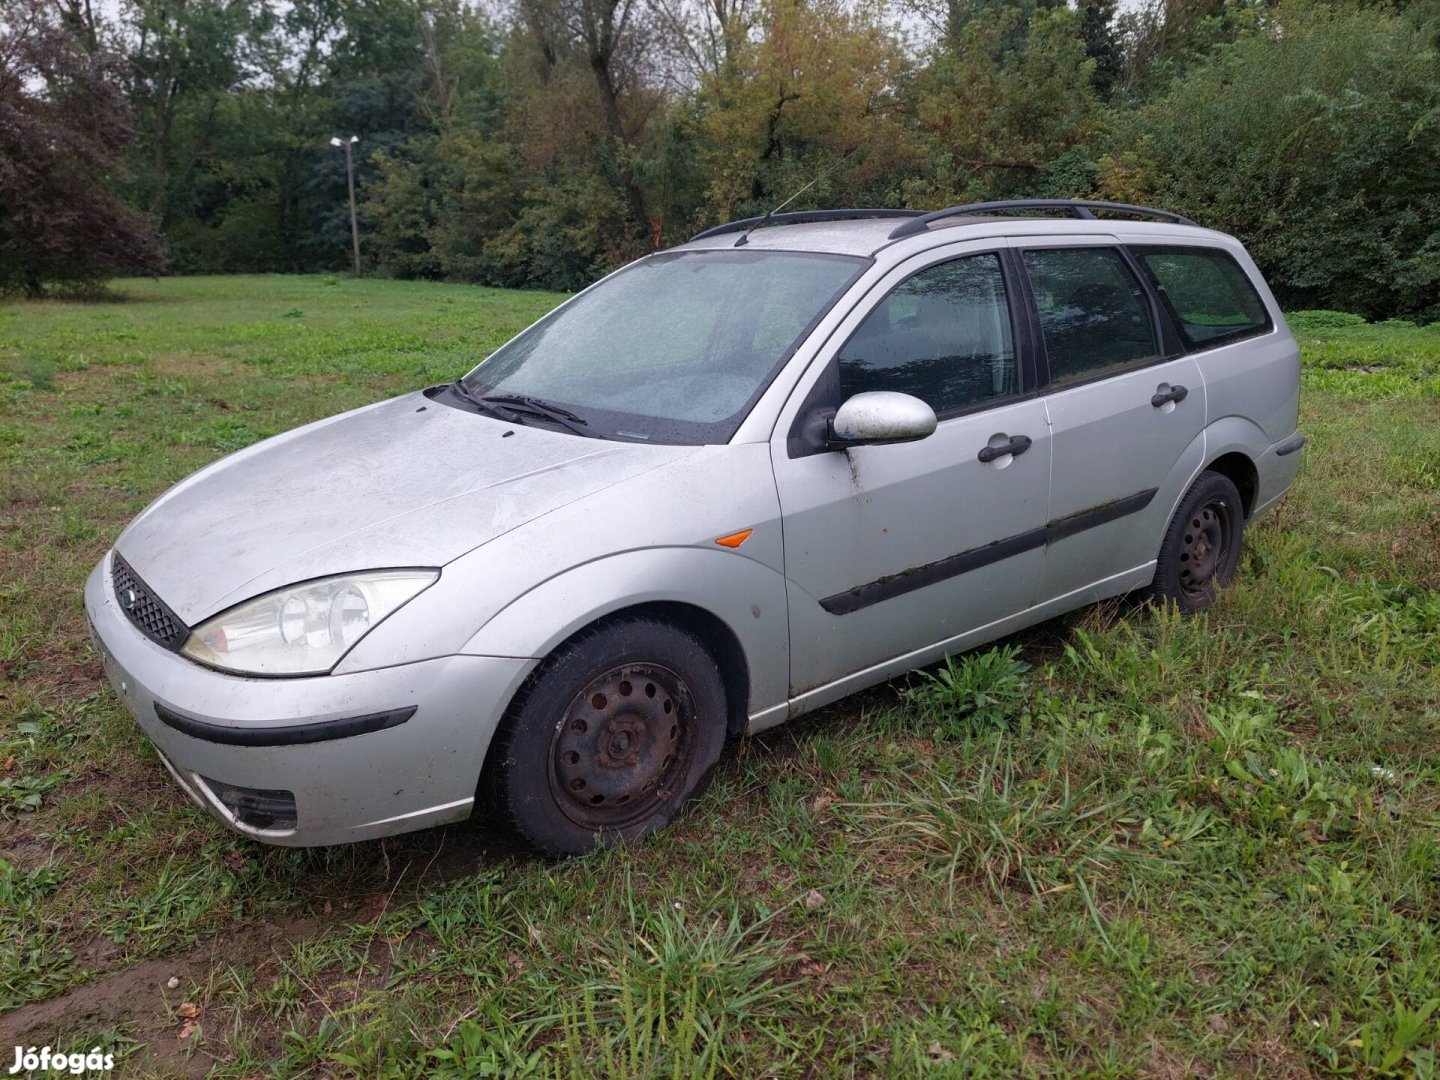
[{"x": 1240, "y": 470}]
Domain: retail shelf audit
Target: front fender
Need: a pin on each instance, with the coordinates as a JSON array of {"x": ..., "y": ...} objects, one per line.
[{"x": 747, "y": 596}]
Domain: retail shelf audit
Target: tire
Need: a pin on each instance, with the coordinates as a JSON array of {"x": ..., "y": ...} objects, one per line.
[
  {"x": 1201, "y": 548},
  {"x": 614, "y": 733}
]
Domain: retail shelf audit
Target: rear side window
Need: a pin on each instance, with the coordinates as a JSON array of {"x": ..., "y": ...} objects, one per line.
[
  {"x": 942, "y": 336},
  {"x": 1093, "y": 312},
  {"x": 1209, "y": 296}
]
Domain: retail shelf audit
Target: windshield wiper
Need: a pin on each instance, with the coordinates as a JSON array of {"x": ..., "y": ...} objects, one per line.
[
  {"x": 540, "y": 405},
  {"x": 460, "y": 390},
  {"x": 542, "y": 408}
]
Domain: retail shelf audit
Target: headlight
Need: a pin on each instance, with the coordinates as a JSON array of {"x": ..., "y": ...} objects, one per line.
[{"x": 303, "y": 629}]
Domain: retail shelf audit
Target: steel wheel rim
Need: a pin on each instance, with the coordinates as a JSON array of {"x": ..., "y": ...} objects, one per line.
[
  {"x": 1205, "y": 547},
  {"x": 622, "y": 746}
]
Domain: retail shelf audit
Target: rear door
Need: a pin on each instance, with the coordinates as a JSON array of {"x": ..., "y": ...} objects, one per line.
[
  {"x": 1125, "y": 409},
  {"x": 891, "y": 549}
]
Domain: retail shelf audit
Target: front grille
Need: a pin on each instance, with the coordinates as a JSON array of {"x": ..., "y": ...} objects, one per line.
[{"x": 143, "y": 608}]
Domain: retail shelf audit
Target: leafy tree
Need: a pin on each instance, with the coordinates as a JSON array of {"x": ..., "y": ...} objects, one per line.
[
  {"x": 184, "y": 57},
  {"x": 1318, "y": 142},
  {"x": 64, "y": 128},
  {"x": 704, "y": 38},
  {"x": 1003, "y": 120},
  {"x": 815, "y": 87},
  {"x": 1165, "y": 38},
  {"x": 1102, "y": 44},
  {"x": 541, "y": 142}
]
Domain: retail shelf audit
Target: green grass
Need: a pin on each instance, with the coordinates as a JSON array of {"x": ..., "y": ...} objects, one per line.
[{"x": 1123, "y": 844}]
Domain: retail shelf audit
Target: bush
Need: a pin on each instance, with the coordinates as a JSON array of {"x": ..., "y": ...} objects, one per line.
[
  {"x": 1323, "y": 320},
  {"x": 1314, "y": 140},
  {"x": 974, "y": 692}
]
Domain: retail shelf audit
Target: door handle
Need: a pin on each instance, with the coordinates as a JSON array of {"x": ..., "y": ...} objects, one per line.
[
  {"x": 1017, "y": 445},
  {"x": 1176, "y": 393}
]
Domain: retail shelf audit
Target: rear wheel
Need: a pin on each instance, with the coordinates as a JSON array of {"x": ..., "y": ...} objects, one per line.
[
  {"x": 616, "y": 731},
  {"x": 1201, "y": 548}
]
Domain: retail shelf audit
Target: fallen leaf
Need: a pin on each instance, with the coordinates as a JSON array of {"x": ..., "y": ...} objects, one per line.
[
  {"x": 9, "y": 763},
  {"x": 187, "y": 1029},
  {"x": 810, "y": 969},
  {"x": 188, "y": 1011}
]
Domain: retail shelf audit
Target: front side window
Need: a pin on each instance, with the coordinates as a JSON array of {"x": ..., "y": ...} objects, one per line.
[
  {"x": 942, "y": 336},
  {"x": 1209, "y": 296},
  {"x": 1093, "y": 312},
  {"x": 674, "y": 348}
]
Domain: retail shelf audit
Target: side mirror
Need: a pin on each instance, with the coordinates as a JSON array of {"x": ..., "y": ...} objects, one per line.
[{"x": 881, "y": 416}]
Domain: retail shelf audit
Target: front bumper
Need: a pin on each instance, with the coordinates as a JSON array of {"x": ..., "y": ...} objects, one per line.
[{"x": 419, "y": 772}]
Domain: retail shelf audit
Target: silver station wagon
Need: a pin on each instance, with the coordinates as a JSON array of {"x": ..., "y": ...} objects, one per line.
[{"x": 730, "y": 483}]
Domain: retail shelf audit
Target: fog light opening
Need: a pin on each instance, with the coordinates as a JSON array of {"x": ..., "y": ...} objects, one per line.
[{"x": 256, "y": 808}]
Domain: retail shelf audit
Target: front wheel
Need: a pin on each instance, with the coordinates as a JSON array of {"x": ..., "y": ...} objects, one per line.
[
  {"x": 614, "y": 733},
  {"x": 1201, "y": 548}
]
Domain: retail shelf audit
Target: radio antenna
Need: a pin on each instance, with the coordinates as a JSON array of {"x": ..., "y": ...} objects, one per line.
[{"x": 745, "y": 236}]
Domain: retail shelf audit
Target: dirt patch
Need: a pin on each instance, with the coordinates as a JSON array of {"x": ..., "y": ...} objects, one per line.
[
  {"x": 208, "y": 367},
  {"x": 28, "y": 852},
  {"x": 141, "y": 999}
]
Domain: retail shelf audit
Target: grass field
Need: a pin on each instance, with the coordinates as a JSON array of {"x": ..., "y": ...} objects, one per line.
[{"x": 1120, "y": 845}]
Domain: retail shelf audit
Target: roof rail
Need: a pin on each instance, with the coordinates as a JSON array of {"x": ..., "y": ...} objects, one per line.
[
  {"x": 1080, "y": 208},
  {"x": 800, "y": 217}
]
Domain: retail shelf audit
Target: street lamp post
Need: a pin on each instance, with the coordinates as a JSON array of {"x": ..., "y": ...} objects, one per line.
[{"x": 350, "y": 179}]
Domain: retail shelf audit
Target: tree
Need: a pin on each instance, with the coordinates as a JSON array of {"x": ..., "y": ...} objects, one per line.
[
  {"x": 1163, "y": 39},
  {"x": 1102, "y": 43},
  {"x": 1006, "y": 109},
  {"x": 814, "y": 86},
  {"x": 704, "y": 37},
  {"x": 1317, "y": 140},
  {"x": 64, "y": 129},
  {"x": 185, "y": 55},
  {"x": 606, "y": 39}
]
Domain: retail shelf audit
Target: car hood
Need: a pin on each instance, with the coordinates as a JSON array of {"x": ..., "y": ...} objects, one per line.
[{"x": 406, "y": 482}]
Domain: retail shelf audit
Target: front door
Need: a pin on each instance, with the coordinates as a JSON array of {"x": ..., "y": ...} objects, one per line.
[{"x": 892, "y": 549}]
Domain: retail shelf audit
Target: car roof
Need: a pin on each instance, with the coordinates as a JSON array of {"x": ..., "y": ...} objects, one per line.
[{"x": 868, "y": 236}]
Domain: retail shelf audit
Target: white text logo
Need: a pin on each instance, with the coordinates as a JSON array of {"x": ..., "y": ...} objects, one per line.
[{"x": 42, "y": 1060}]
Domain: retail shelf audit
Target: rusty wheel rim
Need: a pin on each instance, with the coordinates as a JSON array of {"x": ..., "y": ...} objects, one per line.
[
  {"x": 622, "y": 746},
  {"x": 1205, "y": 547}
]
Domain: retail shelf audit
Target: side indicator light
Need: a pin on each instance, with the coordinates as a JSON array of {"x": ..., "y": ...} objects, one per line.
[{"x": 734, "y": 540}]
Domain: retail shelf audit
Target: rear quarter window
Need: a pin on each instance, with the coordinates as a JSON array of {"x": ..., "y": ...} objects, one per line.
[{"x": 1210, "y": 298}]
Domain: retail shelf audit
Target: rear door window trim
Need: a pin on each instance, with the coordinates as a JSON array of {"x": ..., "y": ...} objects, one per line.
[
  {"x": 1167, "y": 336},
  {"x": 1147, "y": 277}
]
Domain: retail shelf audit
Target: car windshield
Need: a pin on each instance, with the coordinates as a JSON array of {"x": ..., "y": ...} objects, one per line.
[{"x": 674, "y": 348}]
